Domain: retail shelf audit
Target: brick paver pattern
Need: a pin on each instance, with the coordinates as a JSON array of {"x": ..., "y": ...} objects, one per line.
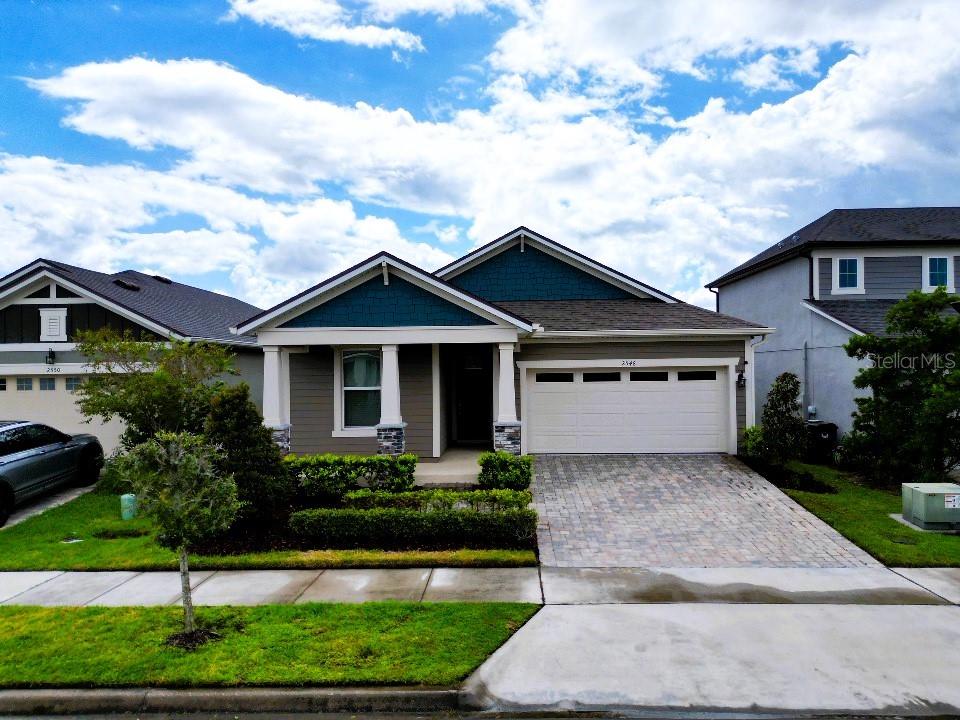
[{"x": 675, "y": 511}]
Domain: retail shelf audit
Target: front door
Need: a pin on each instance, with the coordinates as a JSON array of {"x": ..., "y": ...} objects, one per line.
[{"x": 472, "y": 395}]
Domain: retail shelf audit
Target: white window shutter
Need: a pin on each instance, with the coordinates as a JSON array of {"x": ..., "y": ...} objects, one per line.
[{"x": 53, "y": 324}]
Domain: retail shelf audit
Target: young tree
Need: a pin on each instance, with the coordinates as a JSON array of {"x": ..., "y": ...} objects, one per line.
[
  {"x": 150, "y": 385},
  {"x": 249, "y": 454},
  {"x": 908, "y": 428},
  {"x": 178, "y": 486},
  {"x": 783, "y": 429}
]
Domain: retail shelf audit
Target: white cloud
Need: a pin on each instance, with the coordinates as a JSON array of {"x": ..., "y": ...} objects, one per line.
[
  {"x": 569, "y": 160},
  {"x": 324, "y": 20}
]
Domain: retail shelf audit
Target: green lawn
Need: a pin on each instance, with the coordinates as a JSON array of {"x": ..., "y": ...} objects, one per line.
[
  {"x": 316, "y": 644},
  {"x": 862, "y": 514},
  {"x": 109, "y": 543}
]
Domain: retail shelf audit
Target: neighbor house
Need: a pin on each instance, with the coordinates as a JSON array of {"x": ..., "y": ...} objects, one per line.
[
  {"x": 833, "y": 279},
  {"x": 43, "y": 305},
  {"x": 522, "y": 344}
]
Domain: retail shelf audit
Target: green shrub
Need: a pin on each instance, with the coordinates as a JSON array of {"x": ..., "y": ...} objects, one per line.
[
  {"x": 326, "y": 479},
  {"x": 249, "y": 453},
  {"x": 403, "y": 528},
  {"x": 505, "y": 471},
  {"x": 784, "y": 432},
  {"x": 112, "y": 480},
  {"x": 432, "y": 500},
  {"x": 753, "y": 442}
]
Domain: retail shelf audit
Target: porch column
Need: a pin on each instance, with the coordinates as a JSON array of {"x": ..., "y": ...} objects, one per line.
[
  {"x": 506, "y": 429},
  {"x": 273, "y": 392},
  {"x": 390, "y": 430}
]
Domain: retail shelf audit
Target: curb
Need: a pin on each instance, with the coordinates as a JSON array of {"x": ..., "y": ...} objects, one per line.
[{"x": 62, "y": 701}]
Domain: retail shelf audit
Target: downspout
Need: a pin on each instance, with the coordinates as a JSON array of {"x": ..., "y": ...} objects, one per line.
[{"x": 716, "y": 293}]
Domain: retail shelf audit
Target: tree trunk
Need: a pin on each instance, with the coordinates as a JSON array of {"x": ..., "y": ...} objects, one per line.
[{"x": 188, "y": 624}]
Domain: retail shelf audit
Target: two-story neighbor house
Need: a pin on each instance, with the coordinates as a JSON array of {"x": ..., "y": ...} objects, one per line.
[
  {"x": 522, "y": 344},
  {"x": 835, "y": 278},
  {"x": 43, "y": 305}
]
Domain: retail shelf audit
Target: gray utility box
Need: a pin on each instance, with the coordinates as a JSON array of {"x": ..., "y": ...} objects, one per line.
[{"x": 932, "y": 506}]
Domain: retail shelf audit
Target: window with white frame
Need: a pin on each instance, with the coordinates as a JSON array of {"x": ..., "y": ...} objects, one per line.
[
  {"x": 361, "y": 388},
  {"x": 3, "y": 384},
  {"x": 938, "y": 272},
  {"x": 48, "y": 383},
  {"x": 53, "y": 324},
  {"x": 73, "y": 383},
  {"x": 24, "y": 384}
]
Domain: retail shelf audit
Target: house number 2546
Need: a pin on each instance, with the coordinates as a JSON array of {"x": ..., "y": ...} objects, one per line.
[{"x": 628, "y": 363}]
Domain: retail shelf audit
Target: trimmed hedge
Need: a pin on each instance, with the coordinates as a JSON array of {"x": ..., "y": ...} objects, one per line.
[
  {"x": 326, "y": 479},
  {"x": 505, "y": 471},
  {"x": 405, "y": 529},
  {"x": 429, "y": 500}
]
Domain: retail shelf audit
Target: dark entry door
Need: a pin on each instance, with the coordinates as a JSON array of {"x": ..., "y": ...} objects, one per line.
[{"x": 473, "y": 395}]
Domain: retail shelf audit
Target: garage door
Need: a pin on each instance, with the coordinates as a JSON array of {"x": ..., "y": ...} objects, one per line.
[
  {"x": 648, "y": 410},
  {"x": 49, "y": 399}
]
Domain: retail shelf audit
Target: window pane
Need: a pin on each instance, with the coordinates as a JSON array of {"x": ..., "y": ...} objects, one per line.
[
  {"x": 47, "y": 383},
  {"x": 3, "y": 384},
  {"x": 697, "y": 375},
  {"x": 601, "y": 377},
  {"x": 650, "y": 376},
  {"x": 560, "y": 377},
  {"x": 848, "y": 273},
  {"x": 361, "y": 408},
  {"x": 24, "y": 383},
  {"x": 938, "y": 272},
  {"x": 361, "y": 369},
  {"x": 73, "y": 383}
]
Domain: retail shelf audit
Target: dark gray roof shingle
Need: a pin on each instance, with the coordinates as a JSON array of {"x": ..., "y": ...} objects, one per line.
[
  {"x": 866, "y": 226},
  {"x": 185, "y": 310},
  {"x": 868, "y": 316},
  {"x": 632, "y": 314}
]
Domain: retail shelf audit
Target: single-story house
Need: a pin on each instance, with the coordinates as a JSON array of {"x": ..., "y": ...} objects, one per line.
[
  {"x": 523, "y": 345},
  {"x": 44, "y": 303}
]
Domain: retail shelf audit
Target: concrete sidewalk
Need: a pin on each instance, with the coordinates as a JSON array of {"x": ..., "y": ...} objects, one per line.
[{"x": 551, "y": 586}]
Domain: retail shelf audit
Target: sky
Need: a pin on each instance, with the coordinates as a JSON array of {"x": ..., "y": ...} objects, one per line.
[{"x": 255, "y": 147}]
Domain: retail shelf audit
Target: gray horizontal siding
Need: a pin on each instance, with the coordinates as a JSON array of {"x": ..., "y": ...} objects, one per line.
[
  {"x": 651, "y": 350},
  {"x": 311, "y": 403},
  {"x": 826, "y": 276},
  {"x": 891, "y": 278}
]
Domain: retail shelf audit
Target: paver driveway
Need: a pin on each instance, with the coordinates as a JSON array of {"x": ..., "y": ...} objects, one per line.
[{"x": 675, "y": 511}]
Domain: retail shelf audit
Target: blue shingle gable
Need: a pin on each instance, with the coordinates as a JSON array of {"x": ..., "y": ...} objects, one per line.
[
  {"x": 534, "y": 275},
  {"x": 373, "y": 304}
]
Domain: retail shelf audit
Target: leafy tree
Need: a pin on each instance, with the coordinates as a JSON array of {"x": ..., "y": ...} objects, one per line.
[
  {"x": 908, "y": 428},
  {"x": 150, "y": 385},
  {"x": 783, "y": 435},
  {"x": 249, "y": 453},
  {"x": 176, "y": 479}
]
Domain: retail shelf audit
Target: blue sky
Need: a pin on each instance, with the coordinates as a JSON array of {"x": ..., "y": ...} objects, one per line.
[{"x": 256, "y": 146}]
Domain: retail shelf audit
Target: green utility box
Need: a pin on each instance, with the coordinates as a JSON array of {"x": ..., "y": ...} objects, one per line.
[{"x": 932, "y": 506}]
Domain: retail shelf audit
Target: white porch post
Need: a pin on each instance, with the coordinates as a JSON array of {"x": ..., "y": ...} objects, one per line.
[
  {"x": 506, "y": 429},
  {"x": 506, "y": 397},
  {"x": 274, "y": 393},
  {"x": 272, "y": 390},
  {"x": 390, "y": 430}
]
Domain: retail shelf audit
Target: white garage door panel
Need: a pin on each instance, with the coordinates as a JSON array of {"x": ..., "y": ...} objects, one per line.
[
  {"x": 628, "y": 416},
  {"x": 56, "y": 408}
]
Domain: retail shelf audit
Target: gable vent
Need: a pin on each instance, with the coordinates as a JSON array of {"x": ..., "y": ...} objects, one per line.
[
  {"x": 161, "y": 278},
  {"x": 126, "y": 284}
]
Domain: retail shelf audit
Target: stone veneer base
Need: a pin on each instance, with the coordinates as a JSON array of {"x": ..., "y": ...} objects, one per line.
[
  {"x": 391, "y": 439},
  {"x": 506, "y": 436}
]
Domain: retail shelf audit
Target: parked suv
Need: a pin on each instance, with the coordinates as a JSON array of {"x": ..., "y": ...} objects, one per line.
[{"x": 35, "y": 458}]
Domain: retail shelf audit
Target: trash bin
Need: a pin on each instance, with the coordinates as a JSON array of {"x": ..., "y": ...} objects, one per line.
[
  {"x": 821, "y": 441},
  {"x": 128, "y": 506}
]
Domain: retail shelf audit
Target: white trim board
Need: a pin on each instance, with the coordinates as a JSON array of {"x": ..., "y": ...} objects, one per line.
[
  {"x": 374, "y": 266},
  {"x": 831, "y": 318},
  {"x": 556, "y": 250},
  {"x": 387, "y": 335}
]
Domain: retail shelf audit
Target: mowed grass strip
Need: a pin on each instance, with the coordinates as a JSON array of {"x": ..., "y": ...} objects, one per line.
[
  {"x": 862, "y": 515},
  {"x": 108, "y": 543},
  {"x": 305, "y": 645}
]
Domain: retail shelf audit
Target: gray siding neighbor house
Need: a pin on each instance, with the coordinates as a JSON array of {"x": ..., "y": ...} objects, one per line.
[
  {"x": 835, "y": 278},
  {"x": 45, "y": 303},
  {"x": 523, "y": 345}
]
